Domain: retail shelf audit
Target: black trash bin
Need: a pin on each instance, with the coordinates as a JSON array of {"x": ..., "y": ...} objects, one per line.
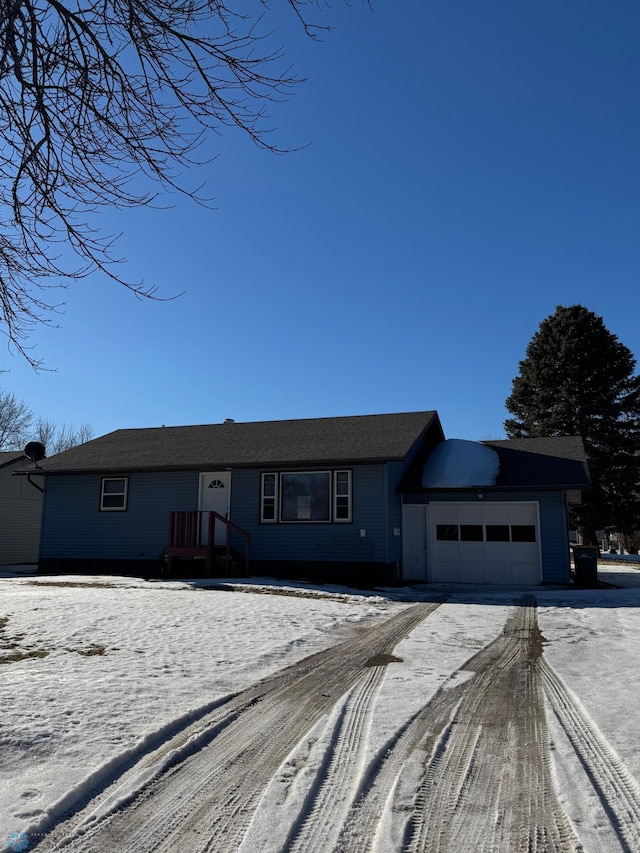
[{"x": 585, "y": 563}]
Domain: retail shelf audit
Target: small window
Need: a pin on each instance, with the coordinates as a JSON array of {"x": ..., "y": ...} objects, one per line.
[
  {"x": 269, "y": 497},
  {"x": 471, "y": 533},
  {"x": 342, "y": 496},
  {"x": 447, "y": 532},
  {"x": 497, "y": 533},
  {"x": 113, "y": 494},
  {"x": 523, "y": 533}
]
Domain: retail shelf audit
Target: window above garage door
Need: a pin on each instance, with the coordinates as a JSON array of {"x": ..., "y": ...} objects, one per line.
[{"x": 486, "y": 532}]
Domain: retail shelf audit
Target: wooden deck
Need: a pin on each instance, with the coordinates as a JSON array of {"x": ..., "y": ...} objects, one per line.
[{"x": 192, "y": 535}]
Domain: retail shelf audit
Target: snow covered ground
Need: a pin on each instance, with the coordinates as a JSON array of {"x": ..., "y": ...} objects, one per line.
[{"x": 97, "y": 670}]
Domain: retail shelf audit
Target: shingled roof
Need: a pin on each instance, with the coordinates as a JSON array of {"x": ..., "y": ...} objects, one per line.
[
  {"x": 554, "y": 462},
  {"x": 8, "y": 456},
  {"x": 313, "y": 441}
]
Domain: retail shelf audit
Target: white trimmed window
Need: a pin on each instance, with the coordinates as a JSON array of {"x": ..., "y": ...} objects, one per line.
[
  {"x": 318, "y": 497},
  {"x": 342, "y": 495},
  {"x": 113, "y": 494},
  {"x": 269, "y": 498}
]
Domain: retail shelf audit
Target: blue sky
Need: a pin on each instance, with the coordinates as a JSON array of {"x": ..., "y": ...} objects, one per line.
[{"x": 469, "y": 167}]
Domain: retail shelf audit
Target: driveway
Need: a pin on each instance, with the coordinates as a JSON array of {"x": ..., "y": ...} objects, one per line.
[{"x": 470, "y": 769}]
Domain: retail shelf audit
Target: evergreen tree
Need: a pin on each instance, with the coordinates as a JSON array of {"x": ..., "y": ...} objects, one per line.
[{"x": 578, "y": 379}]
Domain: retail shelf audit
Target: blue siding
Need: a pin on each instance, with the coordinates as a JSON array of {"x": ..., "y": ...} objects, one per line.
[
  {"x": 395, "y": 472},
  {"x": 554, "y": 540},
  {"x": 74, "y": 528},
  {"x": 333, "y": 542}
]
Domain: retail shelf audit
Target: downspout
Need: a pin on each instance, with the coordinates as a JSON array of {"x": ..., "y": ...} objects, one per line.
[
  {"x": 42, "y": 492},
  {"x": 35, "y": 485}
]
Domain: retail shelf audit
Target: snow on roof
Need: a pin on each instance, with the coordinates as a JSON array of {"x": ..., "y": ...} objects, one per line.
[{"x": 457, "y": 462}]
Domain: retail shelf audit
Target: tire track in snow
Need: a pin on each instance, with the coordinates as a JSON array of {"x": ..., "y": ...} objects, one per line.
[
  {"x": 206, "y": 801},
  {"x": 427, "y": 730},
  {"x": 486, "y": 783},
  {"x": 328, "y": 802},
  {"x": 494, "y": 784},
  {"x": 116, "y": 784},
  {"x": 616, "y": 788}
]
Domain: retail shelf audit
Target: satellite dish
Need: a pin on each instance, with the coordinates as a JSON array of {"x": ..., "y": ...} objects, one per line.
[{"x": 35, "y": 451}]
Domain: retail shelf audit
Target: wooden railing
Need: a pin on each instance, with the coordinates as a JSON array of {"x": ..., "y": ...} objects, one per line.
[{"x": 192, "y": 533}]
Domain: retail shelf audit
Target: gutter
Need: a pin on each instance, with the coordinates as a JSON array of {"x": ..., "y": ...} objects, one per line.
[{"x": 300, "y": 465}]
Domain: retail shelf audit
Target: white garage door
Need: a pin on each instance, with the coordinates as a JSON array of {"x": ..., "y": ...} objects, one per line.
[{"x": 484, "y": 543}]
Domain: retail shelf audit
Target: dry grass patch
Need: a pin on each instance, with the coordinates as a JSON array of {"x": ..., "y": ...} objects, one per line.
[
  {"x": 11, "y": 645},
  {"x": 14, "y": 657},
  {"x": 94, "y": 649}
]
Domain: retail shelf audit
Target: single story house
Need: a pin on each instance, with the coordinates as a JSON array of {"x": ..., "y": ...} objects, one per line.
[
  {"x": 20, "y": 512},
  {"x": 362, "y": 500}
]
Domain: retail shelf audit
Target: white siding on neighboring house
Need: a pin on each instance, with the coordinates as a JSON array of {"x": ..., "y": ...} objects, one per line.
[{"x": 20, "y": 512}]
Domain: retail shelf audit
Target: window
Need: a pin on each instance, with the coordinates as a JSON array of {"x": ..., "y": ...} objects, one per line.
[
  {"x": 305, "y": 496},
  {"x": 471, "y": 533},
  {"x": 269, "y": 499},
  {"x": 311, "y": 496},
  {"x": 490, "y": 533},
  {"x": 447, "y": 532},
  {"x": 497, "y": 532},
  {"x": 523, "y": 533},
  {"x": 113, "y": 494},
  {"x": 342, "y": 496}
]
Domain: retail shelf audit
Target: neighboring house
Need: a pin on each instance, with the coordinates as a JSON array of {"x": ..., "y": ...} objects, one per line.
[
  {"x": 340, "y": 499},
  {"x": 20, "y": 512}
]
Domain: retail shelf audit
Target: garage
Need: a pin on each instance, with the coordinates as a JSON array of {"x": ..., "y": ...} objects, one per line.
[
  {"x": 484, "y": 543},
  {"x": 493, "y": 512}
]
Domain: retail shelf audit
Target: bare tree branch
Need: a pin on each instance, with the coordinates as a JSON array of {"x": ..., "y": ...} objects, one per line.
[
  {"x": 15, "y": 421},
  {"x": 103, "y": 99},
  {"x": 18, "y": 426},
  {"x": 56, "y": 439}
]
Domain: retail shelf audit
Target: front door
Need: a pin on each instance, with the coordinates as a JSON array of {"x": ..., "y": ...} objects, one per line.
[{"x": 215, "y": 496}]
